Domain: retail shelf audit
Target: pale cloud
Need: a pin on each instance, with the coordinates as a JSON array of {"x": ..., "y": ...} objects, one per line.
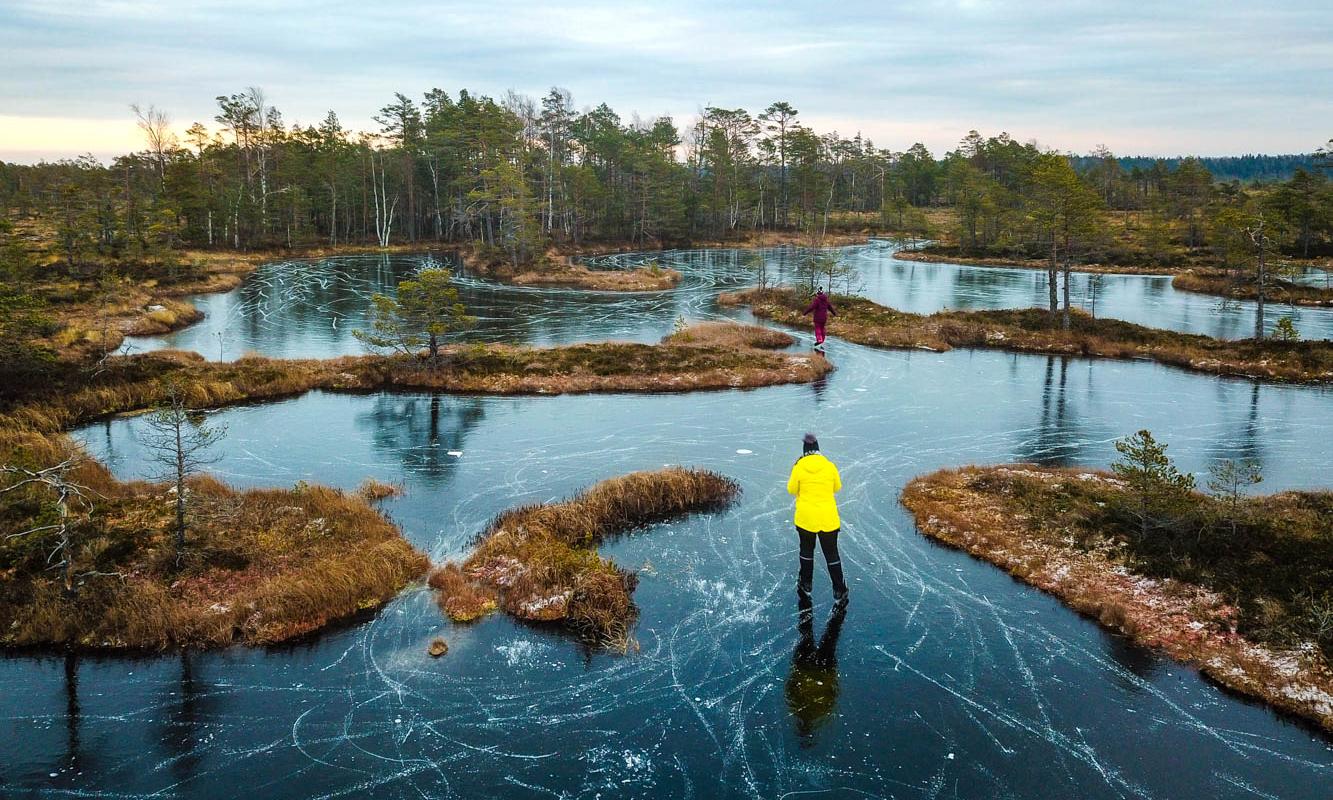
[{"x": 1187, "y": 76}]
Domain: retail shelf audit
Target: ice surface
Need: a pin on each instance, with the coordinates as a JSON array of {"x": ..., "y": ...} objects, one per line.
[{"x": 946, "y": 679}]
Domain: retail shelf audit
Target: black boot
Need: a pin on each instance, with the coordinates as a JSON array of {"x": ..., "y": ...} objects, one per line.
[
  {"x": 839, "y": 583},
  {"x": 840, "y": 599}
]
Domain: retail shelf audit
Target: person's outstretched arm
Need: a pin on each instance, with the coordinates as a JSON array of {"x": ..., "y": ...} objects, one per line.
[{"x": 808, "y": 309}]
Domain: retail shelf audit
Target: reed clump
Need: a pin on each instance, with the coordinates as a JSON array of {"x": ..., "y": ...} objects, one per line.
[
  {"x": 1033, "y": 330},
  {"x": 373, "y": 491},
  {"x": 540, "y": 562},
  {"x": 1238, "y": 587}
]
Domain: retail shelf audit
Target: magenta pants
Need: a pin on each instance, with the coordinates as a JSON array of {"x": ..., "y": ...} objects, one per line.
[{"x": 819, "y": 332}]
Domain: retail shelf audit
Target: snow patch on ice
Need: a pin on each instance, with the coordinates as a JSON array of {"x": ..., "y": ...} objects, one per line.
[
  {"x": 736, "y": 604},
  {"x": 522, "y": 652}
]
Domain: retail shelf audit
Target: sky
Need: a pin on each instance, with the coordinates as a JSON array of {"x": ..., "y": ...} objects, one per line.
[{"x": 1162, "y": 78}]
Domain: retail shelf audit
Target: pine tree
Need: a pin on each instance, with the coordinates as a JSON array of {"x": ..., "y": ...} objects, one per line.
[{"x": 1151, "y": 479}]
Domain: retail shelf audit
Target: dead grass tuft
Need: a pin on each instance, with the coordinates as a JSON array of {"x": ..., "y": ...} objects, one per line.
[{"x": 373, "y": 491}]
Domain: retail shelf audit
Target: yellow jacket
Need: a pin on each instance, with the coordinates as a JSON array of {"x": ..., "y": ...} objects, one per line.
[{"x": 813, "y": 480}]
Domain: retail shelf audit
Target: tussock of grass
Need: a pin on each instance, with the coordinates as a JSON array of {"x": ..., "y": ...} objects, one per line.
[
  {"x": 540, "y": 562},
  {"x": 1235, "y": 602},
  {"x": 1033, "y": 330},
  {"x": 1246, "y": 287},
  {"x": 461, "y": 598},
  {"x": 261, "y": 566},
  {"x": 373, "y": 491}
]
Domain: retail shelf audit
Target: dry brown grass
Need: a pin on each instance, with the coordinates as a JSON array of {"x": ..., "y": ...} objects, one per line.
[
  {"x": 1276, "y": 290},
  {"x": 974, "y": 509},
  {"x": 373, "y": 491},
  {"x": 460, "y": 597},
  {"x": 540, "y": 563},
  {"x": 730, "y": 334},
  {"x": 863, "y": 227},
  {"x": 261, "y": 566},
  {"x": 170, "y": 316},
  {"x": 1032, "y": 330},
  {"x": 640, "y": 279},
  {"x": 950, "y": 255},
  {"x": 140, "y": 381}
]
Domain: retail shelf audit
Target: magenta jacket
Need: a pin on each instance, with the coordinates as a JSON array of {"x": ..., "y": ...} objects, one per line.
[{"x": 821, "y": 308}]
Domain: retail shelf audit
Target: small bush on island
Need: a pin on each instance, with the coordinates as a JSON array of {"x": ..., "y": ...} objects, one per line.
[
  {"x": 540, "y": 563},
  {"x": 1240, "y": 586}
]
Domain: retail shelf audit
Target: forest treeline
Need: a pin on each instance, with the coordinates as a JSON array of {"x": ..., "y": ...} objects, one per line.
[
  {"x": 1248, "y": 168},
  {"x": 509, "y": 177}
]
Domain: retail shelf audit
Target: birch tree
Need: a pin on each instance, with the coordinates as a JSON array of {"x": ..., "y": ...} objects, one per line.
[{"x": 156, "y": 126}]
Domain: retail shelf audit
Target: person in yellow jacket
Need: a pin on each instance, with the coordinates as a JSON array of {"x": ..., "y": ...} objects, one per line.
[{"x": 814, "y": 480}]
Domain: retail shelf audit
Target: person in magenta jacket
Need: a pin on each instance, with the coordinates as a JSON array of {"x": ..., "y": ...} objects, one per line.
[{"x": 820, "y": 307}]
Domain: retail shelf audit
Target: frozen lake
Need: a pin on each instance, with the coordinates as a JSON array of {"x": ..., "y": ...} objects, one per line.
[{"x": 950, "y": 679}]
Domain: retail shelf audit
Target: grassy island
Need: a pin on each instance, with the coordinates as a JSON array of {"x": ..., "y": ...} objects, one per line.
[
  {"x": 1246, "y": 287},
  {"x": 267, "y": 565},
  {"x": 712, "y": 357},
  {"x": 950, "y": 254},
  {"x": 1202, "y": 279},
  {"x": 540, "y": 563},
  {"x": 1236, "y": 586},
  {"x": 1032, "y": 330},
  {"x": 261, "y": 566}
]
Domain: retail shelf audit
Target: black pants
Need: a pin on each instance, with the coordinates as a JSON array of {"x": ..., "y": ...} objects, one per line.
[{"x": 828, "y": 542}]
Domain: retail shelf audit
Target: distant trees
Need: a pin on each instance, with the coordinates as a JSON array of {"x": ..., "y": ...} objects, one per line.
[
  {"x": 1065, "y": 212},
  {"x": 779, "y": 121},
  {"x": 506, "y": 177}
]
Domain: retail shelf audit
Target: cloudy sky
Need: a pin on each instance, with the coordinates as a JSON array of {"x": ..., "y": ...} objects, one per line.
[{"x": 1165, "y": 78}]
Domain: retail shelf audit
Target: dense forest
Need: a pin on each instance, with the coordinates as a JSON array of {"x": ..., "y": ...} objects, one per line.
[
  {"x": 1249, "y": 168},
  {"x": 509, "y": 177}
]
